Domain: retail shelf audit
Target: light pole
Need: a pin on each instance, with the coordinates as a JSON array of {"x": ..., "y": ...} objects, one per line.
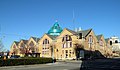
[{"x": 53, "y": 49}]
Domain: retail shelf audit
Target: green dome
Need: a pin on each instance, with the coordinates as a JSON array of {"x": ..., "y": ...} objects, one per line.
[{"x": 55, "y": 29}]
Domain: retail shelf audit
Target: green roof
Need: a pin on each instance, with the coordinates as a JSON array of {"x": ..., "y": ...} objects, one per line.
[{"x": 55, "y": 29}]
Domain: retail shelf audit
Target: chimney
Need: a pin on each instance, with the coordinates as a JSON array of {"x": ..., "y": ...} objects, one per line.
[
  {"x": 76, "y": 29},
  {"x": 80, "y": 29}
]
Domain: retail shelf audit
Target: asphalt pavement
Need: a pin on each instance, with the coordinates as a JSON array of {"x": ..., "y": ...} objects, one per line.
[{"x": 97, "y": 64}]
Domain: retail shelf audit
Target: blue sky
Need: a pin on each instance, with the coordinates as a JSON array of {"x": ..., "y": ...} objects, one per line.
[{"x": 20, "y": 19}]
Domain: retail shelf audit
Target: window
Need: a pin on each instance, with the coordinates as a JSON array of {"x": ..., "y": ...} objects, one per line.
[
  {"x": 110, "y": 42},
  {"x": 63, "y": 39},
  {"x": 57, "y": 50},
  {"x": 101, "y": 43},
  {"x": 66, "y": 53},
  {"x": 116, "y": 41},
  {"x": 66, "y": 37},
  {"x": 62, "y": 45},
  {"x": 45, "y": 46},
  {"x": 90, "y": 41},
  {"x": 67, "y": 41},
  {"x": 70, "y": 44},
  {"x": 31, "y": 44},
  {"x": 48, "y": 41},
  {"x": 14, "y": 46},
  {"x": 45, "y": 41},
  {"x": 66, "y": 44},
  {"x": 62, "y": 51},
  {"x": 70, "y": 53}
]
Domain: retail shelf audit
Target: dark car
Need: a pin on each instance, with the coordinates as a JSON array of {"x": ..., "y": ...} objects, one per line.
[{"x": 15, "y": 56}]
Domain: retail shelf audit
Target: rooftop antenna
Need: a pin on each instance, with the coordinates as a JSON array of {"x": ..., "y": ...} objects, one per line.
[
  {"x": 74, "y": 21},
  {"x": 56, "y": 20}
]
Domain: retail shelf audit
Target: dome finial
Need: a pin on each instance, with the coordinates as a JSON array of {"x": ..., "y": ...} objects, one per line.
[{"x": 56, "y": 20}]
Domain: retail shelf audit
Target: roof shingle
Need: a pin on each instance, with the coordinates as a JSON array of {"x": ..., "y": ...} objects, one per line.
[{"x": 99, "y": 36}]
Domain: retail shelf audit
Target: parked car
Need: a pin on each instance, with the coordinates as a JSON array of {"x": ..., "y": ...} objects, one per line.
[{"x": 15, "y": 56}]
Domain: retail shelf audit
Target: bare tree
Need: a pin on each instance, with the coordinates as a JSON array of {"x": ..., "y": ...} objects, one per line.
[{"x": 1, "y": 46}]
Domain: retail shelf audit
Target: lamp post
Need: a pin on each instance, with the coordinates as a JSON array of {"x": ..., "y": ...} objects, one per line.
[{"x": 53, "y": 49}]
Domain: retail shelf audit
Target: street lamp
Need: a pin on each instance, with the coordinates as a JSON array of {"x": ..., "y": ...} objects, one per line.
[{"x": 53, "y": 49}]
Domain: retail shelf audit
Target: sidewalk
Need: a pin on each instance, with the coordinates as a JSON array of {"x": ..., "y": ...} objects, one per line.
[{"x": 68, "y": 60}]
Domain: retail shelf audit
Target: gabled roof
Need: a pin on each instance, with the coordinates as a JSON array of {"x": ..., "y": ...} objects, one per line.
[
  {"x": 106, "y": 40},
  {"x": 99, "y": 36},
  {"x": 52, "y": 36},
  {"x": 36, "y": 39},
  {"x": 24, "y": 41},
  {"x": 16, "y": 43},
  {"x": 85, "y": 32},
  {"x": 71, "y": 31}
]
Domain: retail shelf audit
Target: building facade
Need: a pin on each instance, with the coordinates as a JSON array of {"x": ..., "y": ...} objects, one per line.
[
  {"x": 65, "y": 44},
  {"x": 115, "y": 43}
]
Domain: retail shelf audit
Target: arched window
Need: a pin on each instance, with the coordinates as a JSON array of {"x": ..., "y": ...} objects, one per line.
[
  {"x": 116, "y": 41},
  {"x": 46, "y": 41},
  {"x": 67, "y": 41},
  {"x": 45, "y": 46},
  {"x": 110, "y": 42},
  {"x": 43, "y": 42},
  {"x": 22, "y": 45},
  {"x": 14, "y": 46},
  {"x": 31, "y": 44},
  {"x": 90, "y": 41}
]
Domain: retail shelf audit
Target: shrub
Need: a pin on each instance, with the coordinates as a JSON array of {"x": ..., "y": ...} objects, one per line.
[{"x": 24, "y": 61}]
